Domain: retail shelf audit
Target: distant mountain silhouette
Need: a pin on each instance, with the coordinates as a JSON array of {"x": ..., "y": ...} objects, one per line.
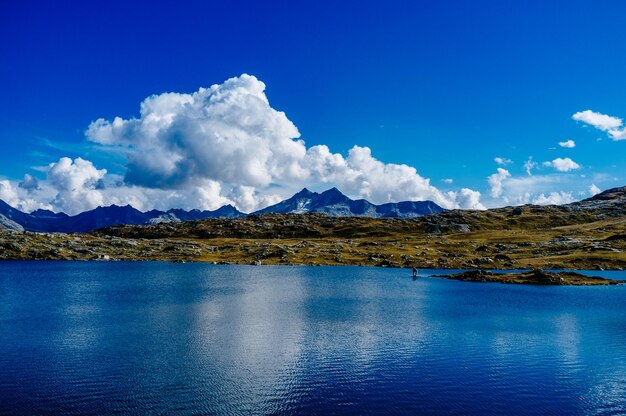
[
  {"x": 331, "y": 202},
  {"x": 180, "y": 215},
  {"x": 48, "y": 221}
]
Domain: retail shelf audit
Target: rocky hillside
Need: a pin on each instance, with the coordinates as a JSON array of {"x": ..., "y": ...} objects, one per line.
[
  {"x": 610, "y": 204},
  {"x": 590, "y": 234}
]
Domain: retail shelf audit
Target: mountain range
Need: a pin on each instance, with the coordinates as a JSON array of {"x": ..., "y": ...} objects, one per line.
[
  {"x": 334, "y": 203},
  {"x": 48, "y": 221},
  {"x": 331, "y": 202}
]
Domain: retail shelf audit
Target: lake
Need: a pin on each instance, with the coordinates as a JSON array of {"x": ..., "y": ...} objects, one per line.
[{"x": 134, "y": 338}]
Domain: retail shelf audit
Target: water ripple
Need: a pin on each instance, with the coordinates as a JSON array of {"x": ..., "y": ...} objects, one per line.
[{"x": 186, "y": 339}]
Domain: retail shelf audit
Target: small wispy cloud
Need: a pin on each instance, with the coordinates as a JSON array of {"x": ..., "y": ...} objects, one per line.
[
  {"x": 529, "y": 165},
  {"x": 568, "y": 144}
]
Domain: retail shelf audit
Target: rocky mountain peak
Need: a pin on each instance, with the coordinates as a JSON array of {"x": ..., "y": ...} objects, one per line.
[{"x": 304, "y": 193}]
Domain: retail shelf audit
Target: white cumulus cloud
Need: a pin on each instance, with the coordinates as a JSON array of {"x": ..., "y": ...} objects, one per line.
[
  {"x": 612, "y": 125},
  {"x": 538, "y": 189},
  {"x": 562, "y": 164},
  {"x": 554, "y": 198},
  {"x": 594, "y": 190},
  {"x": 30, "y": 183},
  {"x": 618, "y": 134},
  {"x": 569, "y": 144},
  {"x": 362, "y": 175},
  {"x": 8, "y": 193},
  {"x": 496, "y": 180},
  {"x": 77, "y": 183},
  {"x": 227, "y": 133},
  {"x": 22, "y": 198},
  {"x": 598, "y": 120},
  {"x": 230, "y": 137},
  {"x": 502, "y": 161},
  {"x": 468, "y": 199}
]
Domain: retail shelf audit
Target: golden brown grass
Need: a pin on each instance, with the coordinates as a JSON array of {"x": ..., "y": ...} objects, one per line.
[{"x": 539, "y": 238}]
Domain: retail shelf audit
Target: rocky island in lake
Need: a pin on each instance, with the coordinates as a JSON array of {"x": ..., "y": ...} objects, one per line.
[{"x": 533, "y": 277}]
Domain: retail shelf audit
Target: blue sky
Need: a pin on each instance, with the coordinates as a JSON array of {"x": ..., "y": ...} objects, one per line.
[{"x": 444, "y": 87}]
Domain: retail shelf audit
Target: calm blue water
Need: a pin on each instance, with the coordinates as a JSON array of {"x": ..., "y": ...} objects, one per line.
[{"x": 161, "y": 338}]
